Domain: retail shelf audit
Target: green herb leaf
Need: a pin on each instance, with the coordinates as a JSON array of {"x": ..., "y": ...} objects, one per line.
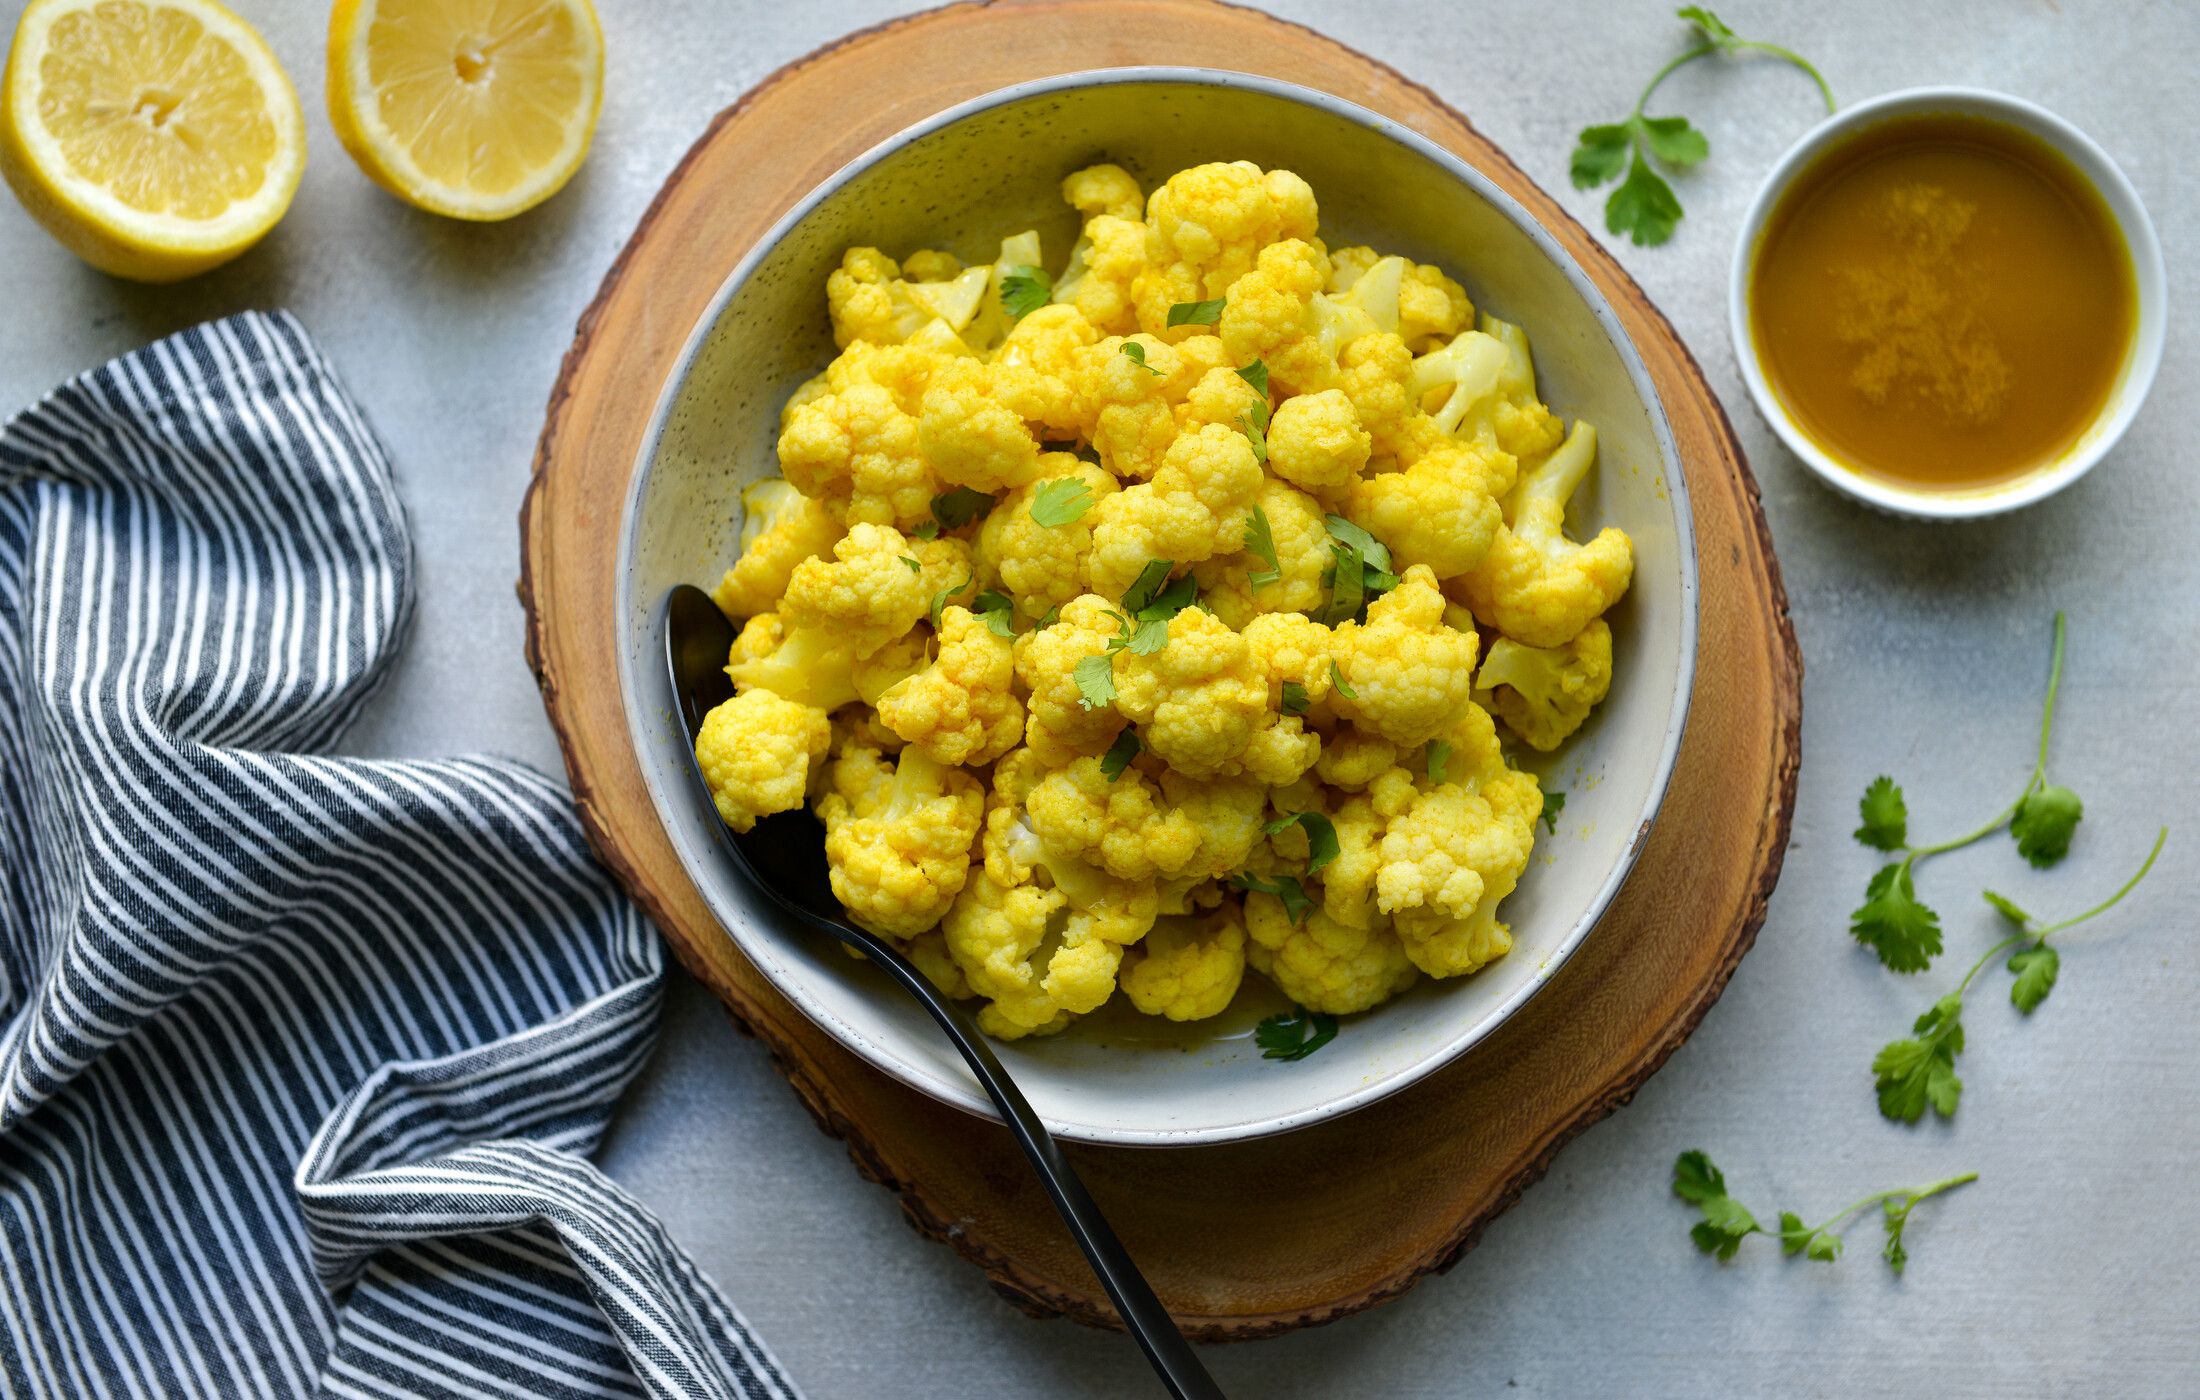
[
  {"x": 1553, "y": 804},
  {"x": 1911, "y": 1074},
  {"x": 1894, "y": 924},
  {"x": 1053, "y": 614},
  {"x": 2036, "y": 968},
  {"x": 1254, "y": 424},
  {"x": 1061, "y": 501},
  {"x": 1812, "y": 1241},
  {"x": 1296, "y": 904},
  {"x": 1372, "y": 550},
  {"x": 1644, "y": 207},
  {"x": 997, "y": 612},
  {"x": 1141, "y": 594},
  {"x": 2045, "y": 819},
  {"x": 1886, "y": 816},
  {"x": 1095, "y": 681},
  {"x": 926, "y": 530},
  {"x": 1135, "y": 352},
  {"x": 1294, "y": 1036},
  {"x": 1321, "y": 837},
  {"x": 1439, "y": 754},
  {"x": 957, "y": 508},
  {"x": 1149, "y": 636},
  {"x": 1347, "y": 580},
  {"x": 1726, "y": 1222},
  {"x": 2009, "y": 909},
  {"x": 1119, "y": 754},
  {"x": 1256, "y": 374},
  {"x": 1602, "y": 154},
  {"x": 1024, "y": 290},
  {"x": 1714, "y": 29},
  {"x": 1196, "y": 313},
  {"x": 1674, "y": 141},
  {"x": 914, "y": 566},
  {"x": 1260, "y": 542},
  {"x": 1336, "y": 681},
  {"x": 940, "y": 599},
  {"x": 1294, "y": 700}
]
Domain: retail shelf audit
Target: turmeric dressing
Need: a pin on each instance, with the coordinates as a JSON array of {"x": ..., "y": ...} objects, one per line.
[{"x": 1944, "y": 302}]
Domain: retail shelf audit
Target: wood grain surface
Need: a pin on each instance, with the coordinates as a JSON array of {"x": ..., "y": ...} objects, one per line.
[{"x": 1250, "y": 1239}]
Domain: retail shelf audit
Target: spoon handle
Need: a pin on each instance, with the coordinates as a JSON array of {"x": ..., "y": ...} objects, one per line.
[{"x": 1143, "y": 1315}]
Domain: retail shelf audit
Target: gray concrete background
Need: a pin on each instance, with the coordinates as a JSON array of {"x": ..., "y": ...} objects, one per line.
[{"x": 2067, "y": 1270}]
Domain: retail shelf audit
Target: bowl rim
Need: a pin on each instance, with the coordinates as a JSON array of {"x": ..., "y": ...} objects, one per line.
[
  {"x": 674, "y": 810},
  {"x": 2149, "y": 286}
]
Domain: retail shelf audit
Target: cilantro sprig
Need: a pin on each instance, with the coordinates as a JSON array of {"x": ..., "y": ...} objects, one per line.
[
  {"x": 1892, "y": 921},
  {"x": 1062, "y": 501},
  {"x": 1119, "y": 754},
  {"x": 1358, "y": 572},
  {"x": 1294, "y": 1035},
  {"x": 997, "y": 611},
  {"x": 1142, "y": 628},
  {"x": 951, "y": 510},
  {"x": 1644, "y": 206},
  {"x": 946, "y": 595},
  {"x": 1024, "y": 290},
  {"x": 1726, "y": 1222},
  {"x": 1196, "y": 313},
  {"x": 1553, "y": 804},
  {"x": 1136, "y": 354},
  {"x": 1919, "y": 1071},
  {"x": 1260, "y": 542}
]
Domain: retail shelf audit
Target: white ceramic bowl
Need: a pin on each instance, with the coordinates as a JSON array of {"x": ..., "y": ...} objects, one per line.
[
  {"x": 992, "y": 166},
  {"x": 2149, "y": 280}
]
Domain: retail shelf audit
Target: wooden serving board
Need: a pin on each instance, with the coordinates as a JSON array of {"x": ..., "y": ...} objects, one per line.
[{"x": 1261, "y": 1237}]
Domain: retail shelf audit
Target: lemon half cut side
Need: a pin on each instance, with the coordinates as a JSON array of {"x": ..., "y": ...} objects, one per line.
[
  {"x": 153, "y": 138},
  {"x": 476, "y": 109}
]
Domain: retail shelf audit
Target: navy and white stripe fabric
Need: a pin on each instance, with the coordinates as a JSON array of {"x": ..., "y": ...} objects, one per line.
[{"x": 302, "y": 1055}]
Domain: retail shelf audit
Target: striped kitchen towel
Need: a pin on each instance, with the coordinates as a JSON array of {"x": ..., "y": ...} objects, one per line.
[{"x": 300, "y": 1056}]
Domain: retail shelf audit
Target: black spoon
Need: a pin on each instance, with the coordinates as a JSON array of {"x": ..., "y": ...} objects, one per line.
[{"x": 791, "y": 847}]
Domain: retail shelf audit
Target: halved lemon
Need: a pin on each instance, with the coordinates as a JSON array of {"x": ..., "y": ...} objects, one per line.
[
  {"x": 153, "y": 138},
  {"x": 478, "y": 109}
]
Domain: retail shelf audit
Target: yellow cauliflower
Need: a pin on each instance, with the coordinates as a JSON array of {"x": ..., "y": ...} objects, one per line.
[
  {"x": 1324, "y": 965},
  {"x": 1227, "y": 815},
  {"x": 1200, "y": 498},
  {"x": 1197, "y": 699},
  {"x": 1535, "y": 585},
  {"x": 1121, "y": 825},
  {"x": 856, "y": 450},
  {"x": 1058, "y": 725},
  {"x": 1376, "y": 373},
  {"x": 1449, "y": 859},
  {"x": 1041, "y": 567},
  {"x": 1296, "y": 527},
  {"x": 1352, "y": 758},
  {"x": 898, "y": 846},
  {"x": 1431, "y": 307},
  {"x": 1316, "y": 442},
  {"x": 1110, "y": 251},
  {"x": 1545, "y": 693},
  {"x": 780, "y": 527},
  {"x": 970, "y": 439},
  {"x": 1442, "y": 511},
  {"x": 1131, "y": 402},
  {"x": 1348, "y": 883},
  {"x": 1038, "y": 372},
  {"x": 1277, "y": 315},
  {"x": 1189, "y": 966},
  {"x": 871, "y": 299},
  {"x": 756, "y": 750},
  {"x": 1221, "y": 395},
  {"x": 1512, "y": 416},
  {"x": 1205, "y": 228},
  {"x": 1407, "y": 675},
  {"x": 1291, "y": 648},
  {"x": 962, "y": 709},
  {"x": 806, "y": 665},
  {"x": 866, "y": 597}
]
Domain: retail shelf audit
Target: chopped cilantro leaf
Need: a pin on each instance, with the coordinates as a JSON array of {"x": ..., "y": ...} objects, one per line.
[
  {"x": 1295, "y": 1035},
  {"x": 1061, "y": 501},
  {"x": 1196, "y": 313},
  {"x": 1024, "y": 290},
  {"x": 1260, "y": 542},
  {"x": 1095, "y": 681},
  {"x": 1119, "y": 754},
  {"x": 1294, "y": 698}
]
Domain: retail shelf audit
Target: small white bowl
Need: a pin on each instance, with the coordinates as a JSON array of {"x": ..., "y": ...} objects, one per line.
[
  {"x": 958, "y": 180},
  {"x": 2140, "y": 361}
]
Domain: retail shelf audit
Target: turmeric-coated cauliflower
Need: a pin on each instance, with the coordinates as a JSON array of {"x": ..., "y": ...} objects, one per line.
[
  {"x": 1110, "y": 251},
  {"x": 962, "y": 709},
  {"x": 1324, "y": 965},
  {"x": 1315, "y": 442},
  {"x": 1195, "y": 506},
  {"x": 1189, "y": 966},
  {"x": 1206, "y": 226},
  {"x": 755, "y": 751},
  {"x": 806, "y": 664},
  {"x": 1197, "y": 698},
  {"x": 1059, "y": 724},
  {"x": 1545, "y": 693},
  {"x": 870, "y": 593},
  {"x": 898, "y": 838},
  {"x": 780, "y": 527},
  {"x": 1535, "y": 585},
  {"x": 1041, "y": 566},
  {"x": 1236, "y": 588},
  {"x": 1407, "y": 675},
  {"x": 1442, "y": 511}
]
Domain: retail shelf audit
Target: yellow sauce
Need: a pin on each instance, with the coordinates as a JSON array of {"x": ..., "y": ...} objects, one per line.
[{"x": 1943, "y": 302}]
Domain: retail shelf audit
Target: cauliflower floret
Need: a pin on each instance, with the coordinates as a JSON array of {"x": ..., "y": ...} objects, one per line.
[
  {"x": 1221, "y": 395},
  {"x": 1203, "y": 494},
  {"x": 755, "y": 751},
  {"x": 1376, "y": 373},
  {"x": 1058, "y": 725},
  {"x": 1431, "y": 307},
  {"x": 1449, "y": 381},
  {"x": 1109, "y": 253},
  {"x": 971, "y": 440},
  {"x": 1407, "y": 675},
  {"x": 1544, "y": 693},
  {"x": 1449, "y": 859},
  {"x": 1188, "y": 967},
  {"x": 866, "y": 598},
  {"x": 1196, "y": 700},
  {"x": 1037, "y": 373},
  {"x": 804, "y": 664},
  {"x": 1324, "y": 965},
  {"x": 1226, "y": 812},
  {"x": 1301, "y": 536},
  {"x": 962, "y": 709},
  {"x": 1132, "y": 402},
  {"x": 1442, "y": 511},
  {"x": 1513, "y": 417},
  {"x": 1121, "y": 824},
  {"x": 1039, "y": 566},
  {"x": 898, "y": 848},
  {"x": 1535, "y": 585},
  {"x": 947, "y": 569},
  {"x": 856, "y": 450},
  {"x": 992, "y": 323},
  {"x": 780, "y": 527},
  {"x": 1359, "y": 818},
  {"x": 871, "y": 299},
  {"x": 1352, "y": 758},
  {"x": 1276, "y": 314},
  {"x": 1205, "y": 228},
  {"x": 1315, "y": 441},
  {"x": 890, "y": 665}
]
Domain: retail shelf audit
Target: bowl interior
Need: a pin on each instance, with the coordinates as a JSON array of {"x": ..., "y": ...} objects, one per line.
[{"x": 992, "y": 168}]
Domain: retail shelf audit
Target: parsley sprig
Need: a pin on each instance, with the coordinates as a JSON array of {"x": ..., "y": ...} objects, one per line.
[
  {"x": 1892, "y": 921},
  {"x": 1294, "y": 1035},
  {"x": 1918, "y": 1072},
  {"x": 1644, "y": 206},
  {"x": 1024, "y": 290},
  {"x": 1726, "y": 1222}
]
